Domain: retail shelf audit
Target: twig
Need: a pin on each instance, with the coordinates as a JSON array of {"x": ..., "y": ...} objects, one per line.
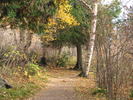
[{"x": 86, "y": 5}]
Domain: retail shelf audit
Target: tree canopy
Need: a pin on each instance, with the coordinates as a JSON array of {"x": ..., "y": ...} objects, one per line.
[{"x": 26, "y": 14}]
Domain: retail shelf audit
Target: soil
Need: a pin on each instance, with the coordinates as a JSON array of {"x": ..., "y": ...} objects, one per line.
[{"x": 58, "y": 88}]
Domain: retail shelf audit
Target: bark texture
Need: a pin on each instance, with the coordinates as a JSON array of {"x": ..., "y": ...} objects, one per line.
[
  {"x": 79, "y": 64},
  {"x": 92, "y": 36},
  {"x": 59, "y": 52}
]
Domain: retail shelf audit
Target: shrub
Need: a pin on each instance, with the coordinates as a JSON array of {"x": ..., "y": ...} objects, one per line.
[
  {"x": 9, "y": 59},
  {"x": 72, "y": 61},
  {"x": 32, "y": 70},
  {"x": 62, "y": 62},
  {"x": 34, "y": 56}
]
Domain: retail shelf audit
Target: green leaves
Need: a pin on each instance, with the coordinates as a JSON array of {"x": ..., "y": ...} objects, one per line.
[
  {"x": 32, "y": 70},
  {"x": 27, "y": 13},
  {"x": 11, "y": 10},
  {"x": 113, "y": 9}
]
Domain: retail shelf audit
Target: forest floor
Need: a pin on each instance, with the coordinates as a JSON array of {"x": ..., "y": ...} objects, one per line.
[
  {"x": 64, "y": 84},
  {"x": 56, "y": 84}
]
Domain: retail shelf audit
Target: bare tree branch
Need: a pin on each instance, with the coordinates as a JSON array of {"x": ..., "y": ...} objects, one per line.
[{"x": 86, "y": 5}]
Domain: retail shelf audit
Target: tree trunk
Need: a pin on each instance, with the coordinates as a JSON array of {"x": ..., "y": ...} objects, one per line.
[
  {"x": 79, "y": 64},
  {"x": 22, "y": 41},
  {"x": 28, "y": 41},
  {"x": 23, "y": 61},
  {"x": 25, "y": 43},
  {"x": 92, "y": 37},
  {"x": 59, "y": 52},
  {"x": 43, "y": 59}
]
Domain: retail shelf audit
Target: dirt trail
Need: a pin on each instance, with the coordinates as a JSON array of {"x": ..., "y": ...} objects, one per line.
[{"x": 58, "y": 89}]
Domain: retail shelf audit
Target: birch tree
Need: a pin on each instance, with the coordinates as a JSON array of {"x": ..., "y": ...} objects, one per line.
[{"x": 92, "y": 36}]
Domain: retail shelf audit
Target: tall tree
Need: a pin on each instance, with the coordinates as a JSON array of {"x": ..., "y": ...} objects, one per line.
[
  {"x": 92, "y": 36},
  {"x": 59, "y": 23},
  {"x": 112, "y": 10},
  {"x": 80, "y": 34},
  {"x": 76, "y": 35}
]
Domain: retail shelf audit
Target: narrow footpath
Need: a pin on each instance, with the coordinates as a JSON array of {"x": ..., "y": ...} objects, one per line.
[{"x": 58, "y": 88}]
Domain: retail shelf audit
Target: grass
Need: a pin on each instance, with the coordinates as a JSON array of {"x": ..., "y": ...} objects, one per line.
[
  {"x": 23, "y": 87},
  {"x": 18, "y": 92}
]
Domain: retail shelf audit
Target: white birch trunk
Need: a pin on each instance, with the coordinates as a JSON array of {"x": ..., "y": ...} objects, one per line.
[{"x": 92, "y": 35}]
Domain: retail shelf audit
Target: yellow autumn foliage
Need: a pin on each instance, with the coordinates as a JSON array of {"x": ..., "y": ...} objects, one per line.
[
  {"x": 64, "y": 14},
  {"x": 60, "y": 19}
]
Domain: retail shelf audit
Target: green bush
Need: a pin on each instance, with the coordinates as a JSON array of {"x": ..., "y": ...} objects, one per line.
[
  {"x": 62, "y": 62},
  {"x": 72, "y": 61},
  {"x": 32, "y": 69}
]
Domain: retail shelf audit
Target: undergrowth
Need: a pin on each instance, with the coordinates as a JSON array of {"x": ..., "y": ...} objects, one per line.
[
  {"x": 23, "y": 88},
  {"x": 99, "y": 92},
  {"x": 18, "y": 92},
  {"x": 26, "y": 82},
  {"x": 63, "y": 61}
]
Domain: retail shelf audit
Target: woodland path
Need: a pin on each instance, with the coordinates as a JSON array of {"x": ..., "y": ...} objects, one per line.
[{"x": 59, "y": 87}]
